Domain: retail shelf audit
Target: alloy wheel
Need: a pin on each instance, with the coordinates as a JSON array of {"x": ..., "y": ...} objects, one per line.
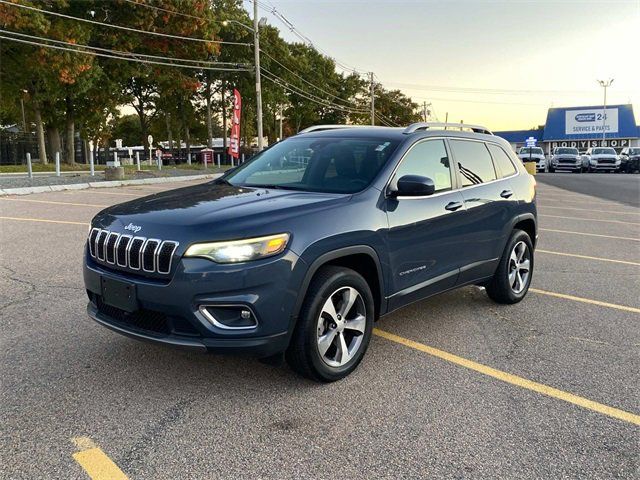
[
  {"x": 341, "y": 326},
  {"x": 519, "y": 267}
]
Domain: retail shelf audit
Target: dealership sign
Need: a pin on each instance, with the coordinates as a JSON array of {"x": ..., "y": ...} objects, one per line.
[
  {"x": 584, "y": 144},
  {"x": 588, "y": 122}
]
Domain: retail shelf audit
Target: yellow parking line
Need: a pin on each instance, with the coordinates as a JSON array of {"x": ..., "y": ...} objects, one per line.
[
  {"x": 590, "y": 234},
  {"x": 586, "y": 300},
  {"x": 587, "y": 257},
  {"x": 590, "y": 210},
  {"x": 590, "y": 219},
  {"x": 51, "y": 202},
  {"x": 95, "y": 462},
  {"x": 20, "y": 219},
  {"x": 513, "y": 379}
]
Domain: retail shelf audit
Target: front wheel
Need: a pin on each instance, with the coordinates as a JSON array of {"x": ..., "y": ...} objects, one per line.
[
  {"x": 512, "y": 278},
  {"x": 334, "y": 327}
]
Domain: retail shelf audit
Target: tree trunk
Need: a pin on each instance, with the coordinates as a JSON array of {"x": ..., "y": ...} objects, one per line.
[
  {"x": 143, "y": 122},
  {"x": 42, "y": 148},
  {"x": 54, "y": 141},
  {"x": 209, "y": 126},
  {"x": 167, "y": 120},
  {"x": 70, "y": 156}
]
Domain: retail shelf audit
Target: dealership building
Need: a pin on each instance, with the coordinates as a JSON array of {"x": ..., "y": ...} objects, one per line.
[{"x": 582, "y": 127}]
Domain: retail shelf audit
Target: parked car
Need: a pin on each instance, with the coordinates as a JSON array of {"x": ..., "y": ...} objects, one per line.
[
  {"x": 602, "y": 159},
  {"x": 303, "y": 259},
  {"x": 535, "y": 154},
  {"x": 630, "y": 160},
  {"x": 566, "y": 158}
]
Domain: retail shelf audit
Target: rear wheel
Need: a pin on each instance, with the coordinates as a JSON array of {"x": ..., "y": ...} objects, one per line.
[
  {"x": 511, "y": 281},
  {"x": 334, "y": 327}
]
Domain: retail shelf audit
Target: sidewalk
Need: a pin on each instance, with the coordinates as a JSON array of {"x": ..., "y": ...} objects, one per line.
[{"x": 87, "y": 181}]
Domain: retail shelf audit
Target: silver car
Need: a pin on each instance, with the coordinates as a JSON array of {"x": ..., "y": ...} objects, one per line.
[
  {"x": 566, "y": 158},
  {"x": 602, "y": 159}
]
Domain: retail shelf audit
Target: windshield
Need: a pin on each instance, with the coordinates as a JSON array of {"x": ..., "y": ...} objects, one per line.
[
  {"x": 320, "y": 164},
  {"x": 532, "y": 150},
  {"x": 604, "y": 151},
  {"x": 634, "y": 151},
  {"x": 567, "y": 151}
]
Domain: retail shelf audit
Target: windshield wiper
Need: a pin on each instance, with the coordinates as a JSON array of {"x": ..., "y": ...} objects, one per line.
[{"x": 222, "y": 181}]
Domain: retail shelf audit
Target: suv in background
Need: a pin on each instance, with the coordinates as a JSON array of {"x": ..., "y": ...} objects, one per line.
[
  {"x": 566, "y": 158},
  {"x": 283, "y": 256},
  {"x": 630, "y": 159},
  {"x": 602, "y": 159},
  {"x": 534, "y": 154}
]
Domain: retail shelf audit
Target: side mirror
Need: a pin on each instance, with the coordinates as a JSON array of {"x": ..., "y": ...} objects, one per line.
[{"x": 413, "y": 186}]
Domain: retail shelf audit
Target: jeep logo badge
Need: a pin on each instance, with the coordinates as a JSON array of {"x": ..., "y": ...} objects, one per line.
[
  {"x": 133, "y": 228},
  {"x": 586, "y": 117}
]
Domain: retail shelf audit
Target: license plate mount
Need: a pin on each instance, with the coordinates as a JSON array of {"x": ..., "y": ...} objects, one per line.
[{"x": 119, "y": 294}]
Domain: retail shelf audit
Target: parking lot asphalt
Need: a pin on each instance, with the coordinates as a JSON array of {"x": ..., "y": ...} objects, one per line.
[{"x": 451, "y": 387}]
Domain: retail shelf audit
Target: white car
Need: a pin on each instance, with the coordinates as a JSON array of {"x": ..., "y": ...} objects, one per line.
[
  {"x": 566, "y": 158},
  {"x": 602, "y": 159},
  {"x": 535, "y": 154}
]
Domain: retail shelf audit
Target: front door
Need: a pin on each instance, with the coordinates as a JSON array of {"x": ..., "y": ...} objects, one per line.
[{"x": 426, "y": 234}]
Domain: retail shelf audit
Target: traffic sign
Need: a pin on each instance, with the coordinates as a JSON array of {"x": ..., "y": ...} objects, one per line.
[{"x": 150, "y": 140}]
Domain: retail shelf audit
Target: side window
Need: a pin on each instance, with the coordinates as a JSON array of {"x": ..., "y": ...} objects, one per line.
[
  {"x": 474, "y": 162},
  {"x": 428, "y": 159},
  {"x": 503, "y": 163}
]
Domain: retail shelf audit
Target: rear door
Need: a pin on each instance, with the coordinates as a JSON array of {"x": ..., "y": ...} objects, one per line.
[
  {"x": 489, "y": 203},
  {"x": 426, "y": 234}
]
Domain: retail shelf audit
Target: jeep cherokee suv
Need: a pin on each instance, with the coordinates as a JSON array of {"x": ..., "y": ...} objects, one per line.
[{"x": 301, "y": 249}]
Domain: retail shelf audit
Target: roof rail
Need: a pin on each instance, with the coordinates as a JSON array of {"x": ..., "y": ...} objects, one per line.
[
  {"x": 319, "y": 128},
  {"x": 414, "y": 127}
]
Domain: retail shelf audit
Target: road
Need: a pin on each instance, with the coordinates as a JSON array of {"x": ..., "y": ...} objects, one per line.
[
  {"x": 451, "y": 387},
  {"x": 624, "y": 188}
]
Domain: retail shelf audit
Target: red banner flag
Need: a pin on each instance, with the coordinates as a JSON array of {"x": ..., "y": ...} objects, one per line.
[{"x": 234, "y": 144}]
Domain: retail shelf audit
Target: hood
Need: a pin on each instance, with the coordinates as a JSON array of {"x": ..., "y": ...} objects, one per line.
[{"x": 231, "y": 212}]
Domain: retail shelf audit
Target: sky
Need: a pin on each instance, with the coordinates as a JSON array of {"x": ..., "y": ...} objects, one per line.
[{"x": 499, "y": 63}]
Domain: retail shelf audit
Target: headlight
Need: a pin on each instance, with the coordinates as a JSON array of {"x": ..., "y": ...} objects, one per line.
[{"x": 240, "y": 250}]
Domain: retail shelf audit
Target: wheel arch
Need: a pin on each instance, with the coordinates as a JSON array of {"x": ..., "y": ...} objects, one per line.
[
  {"x": 527, "y": 222},
  {"x": 360, "y": 258}
]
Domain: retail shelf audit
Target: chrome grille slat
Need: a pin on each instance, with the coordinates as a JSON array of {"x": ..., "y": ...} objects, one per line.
[{"x": 150, "y": 255}]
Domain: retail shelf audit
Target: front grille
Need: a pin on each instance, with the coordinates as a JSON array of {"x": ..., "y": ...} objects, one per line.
[
  {"x": 133, "y": 253},
  {"x": 606, "y": 160},
  {"x": 146, "y": 320}
]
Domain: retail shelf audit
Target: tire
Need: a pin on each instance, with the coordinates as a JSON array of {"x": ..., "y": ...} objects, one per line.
[
  {"x": 332, "y": 285},
  {"x": 501, "y": 289}
]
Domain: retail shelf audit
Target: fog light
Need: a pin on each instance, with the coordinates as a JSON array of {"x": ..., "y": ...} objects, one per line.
[{"x": 229, "y": 317}]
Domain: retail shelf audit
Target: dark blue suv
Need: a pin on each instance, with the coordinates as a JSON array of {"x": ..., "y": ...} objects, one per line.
[{"x": 300, "y": 250}]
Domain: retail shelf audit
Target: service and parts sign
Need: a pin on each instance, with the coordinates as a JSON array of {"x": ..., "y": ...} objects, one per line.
[{"x": 588, "y": 122}]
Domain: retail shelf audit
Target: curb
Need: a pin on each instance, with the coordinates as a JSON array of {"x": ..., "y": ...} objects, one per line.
[{"x": 110, "y": 184}]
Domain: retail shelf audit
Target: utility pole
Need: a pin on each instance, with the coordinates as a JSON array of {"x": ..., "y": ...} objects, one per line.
[
  {"x": 604, "y": 84},
  {"x": 24, "y": 118},
  {"x": 373, "y": 99},
  {"x": 256, "y": 41},
  {"x": 280, "y": 115}
]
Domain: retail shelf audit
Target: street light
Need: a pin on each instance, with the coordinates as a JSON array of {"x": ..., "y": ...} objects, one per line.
[
  {"x": 604, "y": 84},
  {"x": 256, "y": 43}
]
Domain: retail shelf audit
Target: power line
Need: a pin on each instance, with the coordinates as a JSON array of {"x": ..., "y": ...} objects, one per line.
[
  {"x": 335, "y": 97},
  {"x": 153, "y": 7},
  {"x": 129, "y": 59},
  {"x": 293, "y": 29},
  {"x": 126, "y": 54},
  {"x": 120, "y": 27},
  {"x": 296, "y": 91}
]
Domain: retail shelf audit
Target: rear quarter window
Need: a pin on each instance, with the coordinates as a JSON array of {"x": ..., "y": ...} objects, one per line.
[{"x": 503, "y": 163}]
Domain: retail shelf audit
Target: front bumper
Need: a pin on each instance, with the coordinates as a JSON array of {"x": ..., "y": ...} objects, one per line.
[{"x": 168, "y": 310}]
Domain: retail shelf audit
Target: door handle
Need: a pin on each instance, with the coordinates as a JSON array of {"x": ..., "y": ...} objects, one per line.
[
  {"x": 506, "y": 193},
  {"x": 453, "y": 206}
]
